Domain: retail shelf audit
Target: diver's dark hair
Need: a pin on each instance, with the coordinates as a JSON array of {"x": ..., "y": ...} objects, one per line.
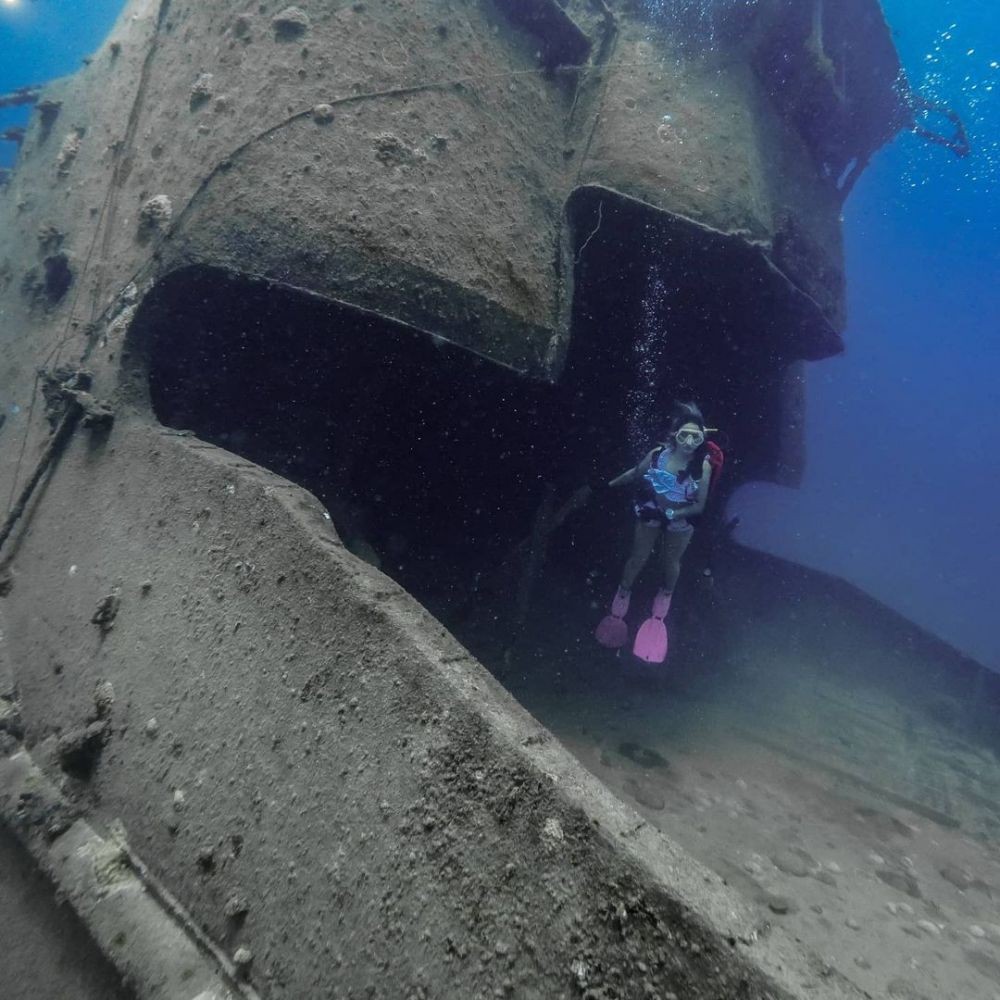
[{"x": 688, "y": 413}]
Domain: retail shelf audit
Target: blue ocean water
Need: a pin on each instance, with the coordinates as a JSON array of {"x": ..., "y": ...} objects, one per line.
[
  {"x": 902, "y": 429},
  {"x": 44, "y": 39}
]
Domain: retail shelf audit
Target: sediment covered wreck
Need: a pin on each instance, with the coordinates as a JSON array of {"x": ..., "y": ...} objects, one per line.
[{"x": 255, "y": 248}]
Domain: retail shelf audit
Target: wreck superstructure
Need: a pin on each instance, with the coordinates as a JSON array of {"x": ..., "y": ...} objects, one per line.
[{"x": 456, "y": 205}]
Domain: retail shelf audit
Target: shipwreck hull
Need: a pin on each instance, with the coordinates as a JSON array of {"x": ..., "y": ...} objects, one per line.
[{"x": 286, "y": 240}]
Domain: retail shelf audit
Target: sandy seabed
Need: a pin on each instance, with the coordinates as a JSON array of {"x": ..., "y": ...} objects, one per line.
[{"x": 817, "y": 761}]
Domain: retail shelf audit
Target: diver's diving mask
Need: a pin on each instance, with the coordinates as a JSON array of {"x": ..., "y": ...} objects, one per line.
[{"x": 690, "y": 438}]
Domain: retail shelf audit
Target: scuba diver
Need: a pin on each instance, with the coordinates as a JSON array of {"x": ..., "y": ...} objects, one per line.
[{"x": 674, "y": 480}]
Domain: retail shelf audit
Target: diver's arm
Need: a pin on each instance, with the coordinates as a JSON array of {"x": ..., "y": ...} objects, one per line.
[
  {"x": 694, "y": 509},
  {"x": 636, "y": 472}
]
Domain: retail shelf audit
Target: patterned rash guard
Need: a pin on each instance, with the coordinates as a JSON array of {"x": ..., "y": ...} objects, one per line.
[{"x": 659, "y": 482}]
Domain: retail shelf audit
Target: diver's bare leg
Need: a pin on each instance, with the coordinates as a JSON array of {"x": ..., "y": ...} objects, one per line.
[
  {"x": 671, "y": 552},
  {"x": 642, "y": 546}
]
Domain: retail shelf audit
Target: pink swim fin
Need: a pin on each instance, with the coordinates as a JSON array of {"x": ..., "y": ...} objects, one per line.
[
  {"x": 612, "y": 631},
  {"x": 651, "y": 639}
]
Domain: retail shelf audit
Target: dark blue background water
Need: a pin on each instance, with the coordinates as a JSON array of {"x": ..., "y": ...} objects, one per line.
[
  {"x": 903, "y": 431},
  {"x": 901, "y": 493}
]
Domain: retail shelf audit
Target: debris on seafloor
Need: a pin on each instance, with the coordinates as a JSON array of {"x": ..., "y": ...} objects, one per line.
[
  {"x": 391, "y": 151},
  {"x": 323, "y": 114},
  {"x": 79, "y": 750},
  {"x": 49, "y": 237},
  {"x": 11, "y": 723},
  {"x": 58, "y": 384},
  {"x": 155, "y": 214},
  {"x": 47, "y": 286},
  {"x": 243, "y": 959},
  {"x": 107, "y": 611},
  {"x": 236, "y": 908},
  {"x": 48, "y": 111},
  {"x": 69, "y": 151},
  {"x": 104, "y": 699},
  {"x": 65, "y": 390},
  {"x": 202, "y": 90},
  {"x": 290, "y": 23}
]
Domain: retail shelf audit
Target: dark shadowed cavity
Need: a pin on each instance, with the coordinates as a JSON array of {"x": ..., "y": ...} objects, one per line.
[{"x": 434, "y": 463}]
